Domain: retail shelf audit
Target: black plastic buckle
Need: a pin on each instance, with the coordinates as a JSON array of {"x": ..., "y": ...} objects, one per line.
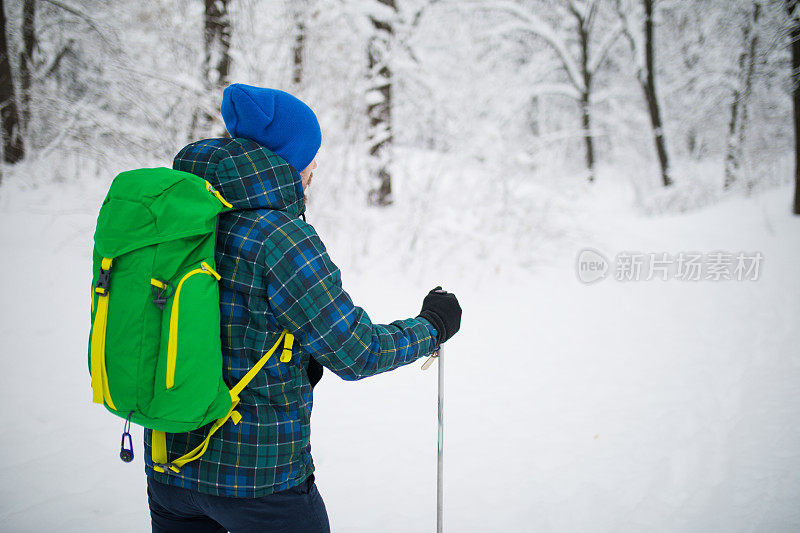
[
  {"x": 104, "y": 280},
  {"x": 160, "y": 295},
  {"x": 167, "y": 466}
]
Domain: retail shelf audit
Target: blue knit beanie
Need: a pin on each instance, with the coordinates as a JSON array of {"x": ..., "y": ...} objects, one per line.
[{"x": 274, "y": 119}]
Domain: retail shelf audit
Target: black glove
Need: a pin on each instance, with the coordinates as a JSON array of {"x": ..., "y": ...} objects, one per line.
[{"x": 441, "y": 309}]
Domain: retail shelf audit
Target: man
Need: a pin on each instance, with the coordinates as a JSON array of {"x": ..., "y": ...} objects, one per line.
[{"x": 257, "y": 475}]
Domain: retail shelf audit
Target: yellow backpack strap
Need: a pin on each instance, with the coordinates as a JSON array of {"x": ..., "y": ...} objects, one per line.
[
  {"x": 239, "y": 387},
  {"x": 288, "y": 342},
  {"x": 100, "y": 389},
  {"x": 201, "y": 448},
  {"x": 159, "y": 447}
]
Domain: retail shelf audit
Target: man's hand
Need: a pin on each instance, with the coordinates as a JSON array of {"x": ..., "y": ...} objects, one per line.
[{"x": 441, "y": 309}]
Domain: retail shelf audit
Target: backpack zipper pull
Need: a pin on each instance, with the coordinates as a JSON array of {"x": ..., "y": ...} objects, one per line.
[
  {"x": 431, "y": 358},
  {"x": 216, "y": 193},
  {"x": 205, "y": 267},
  {"x": 126, "y": 454}
]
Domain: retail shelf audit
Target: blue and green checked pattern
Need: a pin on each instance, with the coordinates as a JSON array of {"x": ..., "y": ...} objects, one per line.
[{"x": 276, "y": 274}]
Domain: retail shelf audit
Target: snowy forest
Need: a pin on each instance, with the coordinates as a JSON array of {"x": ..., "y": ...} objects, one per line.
[
  {"x": 699, "y": 95},
  {"x": 477, "y": 144}
]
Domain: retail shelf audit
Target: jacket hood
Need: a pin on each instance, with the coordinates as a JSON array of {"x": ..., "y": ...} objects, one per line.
[{"x": 245, "y": 173}]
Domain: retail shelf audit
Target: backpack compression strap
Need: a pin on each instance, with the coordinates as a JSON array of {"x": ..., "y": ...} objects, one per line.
[
  {"x": 159, "y": 441},
  {"x": 100, "y": 390}
]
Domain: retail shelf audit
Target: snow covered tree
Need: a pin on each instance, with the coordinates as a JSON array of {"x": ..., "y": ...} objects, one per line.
[
  {"x": 649, "y": 87},
  {"x": 527, "y": 87},
  {"x": 13, "y": 147},
  {"x": 581, "y": 48},
  {"x": 741, "y": 96},
  {"x": 642, "y": 45},
  {"x": 793, "y": 10},
  {"x": 26, "y": 59},
  {"x": 299, "y": 13},
  {"x": 216, "y": 65},
  {"x": 217, "y": 41},
  {"x": 379, "y": 99},
  {"x": 720, "y": 106},
  {"x": 585, "y": 14}
]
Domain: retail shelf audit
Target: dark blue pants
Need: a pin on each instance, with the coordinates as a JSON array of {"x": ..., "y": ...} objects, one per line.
[{"x": 299, "y": 509}]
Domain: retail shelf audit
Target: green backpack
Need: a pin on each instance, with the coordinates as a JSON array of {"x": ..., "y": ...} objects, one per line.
[{"x": 155, "y": 355}]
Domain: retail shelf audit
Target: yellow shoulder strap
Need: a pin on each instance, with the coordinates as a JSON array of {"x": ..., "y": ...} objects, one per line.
[
  {"x": 288, "y": 339},
  {"x": 159, "y": 442},
  {"x": 100, "y": 389}
]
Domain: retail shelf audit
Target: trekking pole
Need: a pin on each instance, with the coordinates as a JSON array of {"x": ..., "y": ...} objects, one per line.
[{"x": 440, "y": 448}]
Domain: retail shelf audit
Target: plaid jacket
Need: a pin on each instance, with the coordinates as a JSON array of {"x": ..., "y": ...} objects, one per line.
[{"x": 276, "y": 274}]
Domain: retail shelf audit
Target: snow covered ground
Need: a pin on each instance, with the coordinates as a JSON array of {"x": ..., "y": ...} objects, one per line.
[{"x": 658, "y": 406}]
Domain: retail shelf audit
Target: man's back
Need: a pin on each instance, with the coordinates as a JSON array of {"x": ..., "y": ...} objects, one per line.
[{"x": 276, "y": 275}]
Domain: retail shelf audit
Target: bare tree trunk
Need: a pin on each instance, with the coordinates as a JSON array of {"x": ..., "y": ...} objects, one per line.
[
  {"x": 379, "y": 106},
  {"x": 732, "y": 160},
  {"x": 29, "y": 45},
  {"x": 650, "y": 94},
  {"x": 218, "y": 42},
  {"x": 793, "y": 8},
  {"x": 217, "y": 60},
  {"x": 741, "y": 96},
  {"x": 300, "y": 15},
  {"x": 586, "y": 118},
  {"x": 13, "y": 148},
  {"x": 587, "y": 134}
]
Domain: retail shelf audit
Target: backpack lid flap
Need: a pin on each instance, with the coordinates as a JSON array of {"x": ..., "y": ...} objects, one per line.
[{"x": 153, "y": 205}]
